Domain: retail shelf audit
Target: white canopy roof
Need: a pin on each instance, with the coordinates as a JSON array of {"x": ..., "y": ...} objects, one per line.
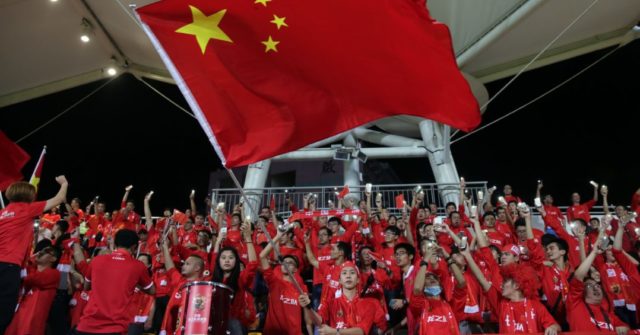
[{"x": 42, "y": 52}]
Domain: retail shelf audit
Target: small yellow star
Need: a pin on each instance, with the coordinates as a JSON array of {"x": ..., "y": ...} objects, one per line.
[
  {"x": 279, "y": 21},
  {"x": 205, "y": 27},
  {"x": 270, "y": 44},
  {"x": 263, "y": 2}
]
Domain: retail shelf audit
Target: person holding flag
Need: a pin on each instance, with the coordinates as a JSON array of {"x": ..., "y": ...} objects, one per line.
[{"x": 37, "y": 172}]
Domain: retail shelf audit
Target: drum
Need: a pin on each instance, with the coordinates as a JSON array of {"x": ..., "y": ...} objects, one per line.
[{"x": 205, "y": 308}]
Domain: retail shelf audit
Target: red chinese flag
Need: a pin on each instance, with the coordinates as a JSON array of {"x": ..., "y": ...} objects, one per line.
[
  {"x": 266, "y": 77},
  {"x": 12, "y": 159},
  {"x": 400, "y": 201},
  {"x": 344, "y": 192}
]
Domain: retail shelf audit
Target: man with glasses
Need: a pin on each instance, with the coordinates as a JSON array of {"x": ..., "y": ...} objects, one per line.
[
  {"x": 586, "y": 310},
  {"x": 404, "y": 254}
]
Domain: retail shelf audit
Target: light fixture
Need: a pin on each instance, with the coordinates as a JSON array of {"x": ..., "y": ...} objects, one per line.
[
  {"x": 54, "y": 0},
  {"x": 111, "y": 71},
  {"x": 87, "y": 30},
  {"x": 342, "y": 154}
]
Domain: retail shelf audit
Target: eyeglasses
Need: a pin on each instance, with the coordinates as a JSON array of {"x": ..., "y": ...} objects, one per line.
[
  {"x": 400, "y": 253},
  {"x": 592, "y": 285}
]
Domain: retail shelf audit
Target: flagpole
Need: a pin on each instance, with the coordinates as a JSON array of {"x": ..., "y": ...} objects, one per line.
[
  {"x": 1, "y": 201},
  {"x": 44, "y": 151},
  {"x": 264, "y": 229}
]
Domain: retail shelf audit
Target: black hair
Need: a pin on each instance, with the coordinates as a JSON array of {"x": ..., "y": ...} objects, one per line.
[
  {"x": 519, "y": 222},
  {"x": 126, "y": 238},
  {"x": 453, "y": 212},
  {"x": 562, "y": 245},
  {"x": 393, "y": 229},
  {"x": 206, "y": 232},
  {"x": 149, "y": 260},
  {"x": 484, "y": 216},
  {"x": 335, "y": 219},
  {"x": 329, "y": 232},
  {"x": 143, "y": 231},
  {"x": 411, "y": 250},
  {"x": 295, "y": 259},
  {"x": 345, "y": 248},
  {"x": 234, "y": 277},
  {"x": 64, "y": 225},
  {"x": 450, "y": 203},
  {"x": 42, "y": 244}
]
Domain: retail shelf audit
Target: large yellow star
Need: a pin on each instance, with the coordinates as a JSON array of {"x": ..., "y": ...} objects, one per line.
[
  {"x": 270, "y": 45},
  {"x": 263, "y": 2},
  {"x": 279, "y": 21},
  {"x": 205, "y": 27}
]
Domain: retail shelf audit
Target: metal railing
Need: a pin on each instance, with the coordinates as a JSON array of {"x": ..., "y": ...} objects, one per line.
[{"x": 323, "y": 194}]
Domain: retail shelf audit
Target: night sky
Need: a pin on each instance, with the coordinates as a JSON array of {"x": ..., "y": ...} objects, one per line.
[{"x": 127, "y": 134}]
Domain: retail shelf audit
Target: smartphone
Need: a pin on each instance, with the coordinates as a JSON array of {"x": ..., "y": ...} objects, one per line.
[
  {"x": 474, "y": 210},
  {"x": 480, "y": 195},
  {"x": 537, "y": 202},
  {"x": 605, "y": 242},
  {"x": 368, "y": 187},
  {"x": 223, "y": 230}
]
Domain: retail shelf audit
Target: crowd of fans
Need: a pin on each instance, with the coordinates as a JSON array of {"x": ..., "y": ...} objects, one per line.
[{"x": 354, "y": 269}]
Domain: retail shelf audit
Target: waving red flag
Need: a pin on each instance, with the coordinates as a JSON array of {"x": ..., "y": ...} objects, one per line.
[
  {"x": 265, "y": 77},
  {"x": 12, "y": 159}
]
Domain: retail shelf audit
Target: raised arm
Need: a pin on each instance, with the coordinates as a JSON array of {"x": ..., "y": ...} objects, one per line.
[
  {"x": 482, "y": 280},
  {"x": 147, "y": 211},
  {"x": 192, "y": 202},
  {"x": 538, "y": 194},
  {"x": 605, "y": 203},
  {"x": 264, "y": 254},
  {"x": 582, "y": 270},
  {"x": 245, "y": 228},
  {"x": 125, "y": 197},
  {"x": 61, "y": 196},
  {"x": 168, "y": 261},
  {"x": 595, "y": 192},
  {"x": 310, "y": 256}
]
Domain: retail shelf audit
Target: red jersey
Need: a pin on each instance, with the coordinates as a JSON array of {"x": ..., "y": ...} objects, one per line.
[
  {"x": 283, "y": 316},
  {"x": 48, "y": 220},
  {"x": 555, "y": 282},
  {"x": 342, "y": 313},
  {"x": 554, "y": 211},
  {"x": 331, "y": 282},
  {"x": 585, "y": 317},
  {"x": 16, "y": 230},
  {"x": 97, "y": 222},
  {"x": 113, "y": 278},
  {"x": 498, "y": 239},
  {"x": 175, "y": 301},
  {"x": 616, "y": 283},
  {"x": 323, "y": 255},
  {"x": 242, "y": 306},
  {"x": 33, "y": 310},
  {"x": 580, "y": 211},
  {"x": 435, "y": 316},
  {"x": 527, "y": 316}
]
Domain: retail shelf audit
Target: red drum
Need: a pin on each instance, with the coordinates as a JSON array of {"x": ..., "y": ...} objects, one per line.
[{"x": 205, "y": 308}]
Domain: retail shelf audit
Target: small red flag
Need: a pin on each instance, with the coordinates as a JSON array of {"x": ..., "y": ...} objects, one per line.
[
  {"x": 267, "y": 77},
  {"x": 400, "y": 201},
  {"x": 272, "y": 203},
  {"x": 13, "y": 158},
  {"x": 344, "y": 192},
  {"x": 179, "y": 217}
]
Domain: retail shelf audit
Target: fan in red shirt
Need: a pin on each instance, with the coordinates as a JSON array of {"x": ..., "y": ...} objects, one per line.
[
  {"x": 190, "y": 271},
  {"x": 112, "y": 279},
  {"x": 587, "y": 311},
  {"x": 40, "y": 286},
  {"x": 547, "y": 203},
  {"x": 579, "y": 210},
  {"x": 346, "y": 312},
  {"x": 283, "y": 316},
  {"x": 433, "y": 314},
  {"x": 49, "y": 219},
  {"x": 16, "y": 236},
  {"x": 141, "y": 304},
  {"x": 516, "y": 304},
  {"x": 228, "y": 269}
]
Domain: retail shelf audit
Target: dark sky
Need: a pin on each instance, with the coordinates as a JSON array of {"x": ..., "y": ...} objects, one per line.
[{"x": 127, "y": 134}]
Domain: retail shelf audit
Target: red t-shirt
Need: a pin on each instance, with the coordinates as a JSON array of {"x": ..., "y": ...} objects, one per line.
[
  {"x": 323, "y": 255},
  {"x": 16, "y": 230},
  {"x": 580, "y": 320},
  {"x": 580, "y": 211},
  {"x": 435, "y": 316},
  {"x": 554, "y": 211},
  {"x": 113, "y": 279},
  {"x": 341, "y": 313},
  {"x": 31, "y": 317},
  {"x": 527, "y": 316},
  {"x": 283, "y": 316}
]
